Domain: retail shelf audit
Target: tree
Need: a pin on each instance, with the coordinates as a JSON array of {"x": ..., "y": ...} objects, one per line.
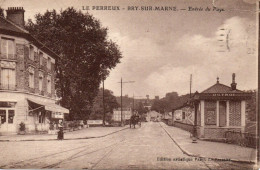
[
  {"x": 110, "y": 105},
  {"x": 251, "y": 106},
  {"x": 86, "y": 56},
  {"x": 171, "y": 101}
]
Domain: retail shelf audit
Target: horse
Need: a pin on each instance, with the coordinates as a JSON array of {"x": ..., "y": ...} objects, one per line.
[{"x": 134, "y": 120}]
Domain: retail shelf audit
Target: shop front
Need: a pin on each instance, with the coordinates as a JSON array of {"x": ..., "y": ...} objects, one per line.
[
  {"x": 7, "y": 112},
  {"x": 48, "y": 115},
  {"x": 34, "y": 111}
]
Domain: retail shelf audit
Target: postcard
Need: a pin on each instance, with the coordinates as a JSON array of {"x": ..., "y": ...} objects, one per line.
[{"x": 129, "y": 84}]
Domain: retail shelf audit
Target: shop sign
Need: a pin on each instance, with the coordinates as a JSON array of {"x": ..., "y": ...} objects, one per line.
[
  {"x": 224, "y": 95},
  {"x": 57, "y": 115}
]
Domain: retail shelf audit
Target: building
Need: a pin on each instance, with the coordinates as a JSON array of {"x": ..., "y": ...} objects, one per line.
[
  {"x": 153, "y": 116},
  {"x": 184, "y": 114},
  {"x": 126, "y": 114},
  {"x": 219, "y": 109},
  {"x": 27, "y": 74}
]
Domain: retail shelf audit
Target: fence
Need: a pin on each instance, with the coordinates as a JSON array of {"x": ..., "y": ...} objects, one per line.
[{"x": 242, "y": 139}]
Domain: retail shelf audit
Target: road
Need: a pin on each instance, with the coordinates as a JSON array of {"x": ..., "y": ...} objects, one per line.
[{"x": 148, "y": 147}]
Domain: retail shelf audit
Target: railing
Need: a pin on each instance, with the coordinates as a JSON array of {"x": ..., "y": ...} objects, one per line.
[{"x": 242, "y": 139}]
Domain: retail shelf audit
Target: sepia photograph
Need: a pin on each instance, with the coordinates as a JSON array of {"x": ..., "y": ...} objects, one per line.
[{"x": 129, "y": 84}]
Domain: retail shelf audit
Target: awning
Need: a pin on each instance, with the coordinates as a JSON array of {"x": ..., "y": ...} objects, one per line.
[{"x": 50, "y": 106}]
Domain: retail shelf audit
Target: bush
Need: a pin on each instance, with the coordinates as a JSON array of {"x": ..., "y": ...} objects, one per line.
[{"x": 22, "y": 126}]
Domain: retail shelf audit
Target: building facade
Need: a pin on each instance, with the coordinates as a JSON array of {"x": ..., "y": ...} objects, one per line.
[
  {"x": 27, "y": 75},
  {"x": 126, "y": 114}
]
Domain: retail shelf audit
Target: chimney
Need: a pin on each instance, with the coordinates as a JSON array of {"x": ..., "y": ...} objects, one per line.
[
  {"x": 16, "y": 15},
  {"x": 233, "y": 84}
]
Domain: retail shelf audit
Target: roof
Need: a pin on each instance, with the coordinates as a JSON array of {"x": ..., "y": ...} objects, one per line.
[
  {"x": 9, "y": 28},
  {"x": 221, "y": 88},
  {"x": 8, "y": 25}
]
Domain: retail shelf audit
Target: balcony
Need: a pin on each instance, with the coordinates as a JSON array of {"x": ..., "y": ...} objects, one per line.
[{"x": 7, "y": 87}]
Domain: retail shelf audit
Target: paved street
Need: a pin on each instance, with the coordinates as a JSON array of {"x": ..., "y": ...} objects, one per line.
[{"x": 148, "y": 147}]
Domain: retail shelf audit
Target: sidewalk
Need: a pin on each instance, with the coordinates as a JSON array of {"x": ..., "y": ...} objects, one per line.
[
  {"x": 92, "y": 132},
  {"x": 209, "y": 149}
]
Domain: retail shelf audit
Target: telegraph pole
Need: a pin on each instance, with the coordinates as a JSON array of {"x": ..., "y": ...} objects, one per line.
[
  {"x": 122, "y": 97},
  {"x": 104, "y": 112},
  {"x": 121, "y": 101},
  {"x": 190, "y": 84}
]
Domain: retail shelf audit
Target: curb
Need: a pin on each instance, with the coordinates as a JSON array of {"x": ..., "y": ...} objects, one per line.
[
  {"x": 6, "y": 140},
  {"x": 194, "y": 155}
]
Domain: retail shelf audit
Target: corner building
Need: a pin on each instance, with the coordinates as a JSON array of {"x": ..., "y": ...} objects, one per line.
[{"x": 27, "y": 75}]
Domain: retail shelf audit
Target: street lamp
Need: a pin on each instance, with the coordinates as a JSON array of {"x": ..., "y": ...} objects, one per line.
[{"x": 122, "y": 98}]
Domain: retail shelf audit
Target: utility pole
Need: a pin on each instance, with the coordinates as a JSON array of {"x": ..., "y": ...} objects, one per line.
[
  {"x": 133, "y": 102},
  {"x": 190, "y": 84},
  {"x": 122, "y": 97},
  {"x": 104, "y": 112},
  {"x": 121, "y": 101}
]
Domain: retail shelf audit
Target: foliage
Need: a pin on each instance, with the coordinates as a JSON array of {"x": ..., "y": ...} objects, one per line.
[
  {"x": 169, "y": 102},
  {"x": 86, "y": 56},
  {"x": 2, "y": 12},
  {"x": 110, "y": 105},
  {"x": 141, "y": 109},
  {"x": 22, "y": 127},
  {"x": 251, "y": 106}
]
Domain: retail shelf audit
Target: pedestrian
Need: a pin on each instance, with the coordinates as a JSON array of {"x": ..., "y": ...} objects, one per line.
[{"x": 60, "y": 133}]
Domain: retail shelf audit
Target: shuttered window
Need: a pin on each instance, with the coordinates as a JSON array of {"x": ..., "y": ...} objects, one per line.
[
  {"x": 49, "y": 84},
  {"x": 7, "y": 78},
  {"x": 7, "y": 48}
]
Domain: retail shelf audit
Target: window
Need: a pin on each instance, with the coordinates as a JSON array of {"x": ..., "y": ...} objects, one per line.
[
  {"x": 8, "y": 75},
  {"x": 3, "y": 116},
  {"x": 7, "y": 48},
  {"x": 41, "y": 58},
  {"x": 10, "y": 116},
  {"x": 7, "y": 115},
  {"x": 49, "y": 63},
  {"x": 31, "y": 77},
  {"x": 40, "y": 80},
  {"x": 49, "y": 84},
  {"x": 183, "y": 115},
  {"x": 31, "y": 55}
]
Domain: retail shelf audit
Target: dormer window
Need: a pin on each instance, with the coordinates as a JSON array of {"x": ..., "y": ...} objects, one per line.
[{"x": 31, "y": 55}]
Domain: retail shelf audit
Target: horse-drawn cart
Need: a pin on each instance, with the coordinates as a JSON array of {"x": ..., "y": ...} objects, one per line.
[{"x": 135, "y": 120}]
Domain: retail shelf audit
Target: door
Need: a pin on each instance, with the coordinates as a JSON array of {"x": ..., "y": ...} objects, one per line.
[
  {"x": 222, "y": 113},
  {"x": 3, "y": 121}
]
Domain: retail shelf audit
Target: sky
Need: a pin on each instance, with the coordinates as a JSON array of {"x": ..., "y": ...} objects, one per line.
[{"x": 161, "y": 49}]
